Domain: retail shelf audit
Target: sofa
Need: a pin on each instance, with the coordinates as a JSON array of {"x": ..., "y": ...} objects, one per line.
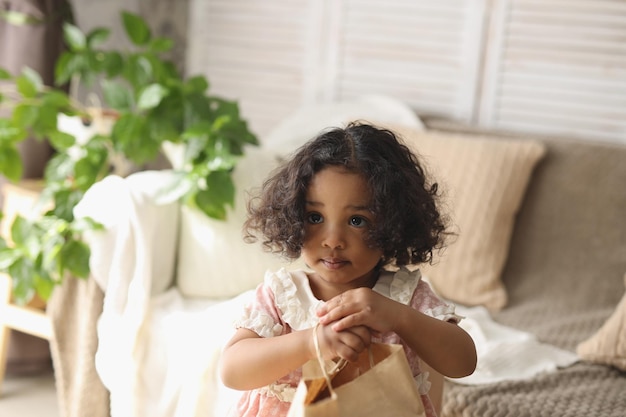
[{"x": 537, "y": 268}]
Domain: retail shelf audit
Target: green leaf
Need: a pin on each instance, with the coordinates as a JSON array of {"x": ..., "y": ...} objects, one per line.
[
  {"x": 58, "y": 168},
  {"x": 16, "y": 18},
  {"x": 75, "y": 258},
  {"x": 138, "y": 71},
  {"x": 44, "y": 287},
  {"x": 58, "y": 99},
  {"x": 74, "y": 37},
  {"x": 117, "y": 96},
  {"x": 61, "y": 141},
  {"x": 46, "y": 121},
  {"x": 62, "y": 73},
  {"x": 86, "y": 223},
  {"x": 29, "y": 83},
  {"x": 151, "y": 96},
  {"x": 24, "y": 115},
  {"x": 197, "y": 108},
  {"x": 64, "y": 203},
  {"x": 23, "y": 272},
  {"x": 168, "y": 71},
  {"x": 8, "y": 256},
  {"x": 68, "y": 65},
  {"x": 4, "y": 74},
  {"x": 113, "y": 63},
  {"x": 11, "y": 163},
  {"x": 97, "y": 37},
  {"x": 159, "y": 45},
  {"x": 209, "y": 207},
  {"x": 87, "y": 170},
  {"x": 10, "y": 133},
  {"x": 197, "y": 84},
  {"x": 197, "y": 140},
  {"x": 163, "y": 123},
  {"x": 34, "y": 77},
  {"x": 219, "y": 192},
  {"x": 21, "y": 230},
  {"x": 131, "y": 137},
  {"x": 95, "y": 64},
  {"x": 136, "y": 28}
]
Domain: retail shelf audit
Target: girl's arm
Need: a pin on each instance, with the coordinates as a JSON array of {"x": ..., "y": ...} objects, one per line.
[
  {"x": 250, "y": 361},
  {"x": 446, "y": 347}
]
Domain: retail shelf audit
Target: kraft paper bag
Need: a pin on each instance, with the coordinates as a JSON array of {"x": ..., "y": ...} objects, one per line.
[{"x": 379, "y": 384}]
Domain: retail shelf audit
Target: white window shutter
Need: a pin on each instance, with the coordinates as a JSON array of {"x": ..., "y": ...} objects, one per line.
[
  {"x": 423, "y": 52},
  {"x": 273, "y": 56},
  {"x": 557, "y": 67},
  {"x": 254, "y": 52},
  {"x": 544, "y": 66}
]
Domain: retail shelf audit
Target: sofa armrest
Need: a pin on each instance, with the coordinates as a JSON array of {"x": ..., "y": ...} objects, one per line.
[{"x": 140, "y": 225}]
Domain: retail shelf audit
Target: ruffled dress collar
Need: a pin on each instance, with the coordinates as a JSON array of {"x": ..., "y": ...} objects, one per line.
[{"x": 294, "y": 296}]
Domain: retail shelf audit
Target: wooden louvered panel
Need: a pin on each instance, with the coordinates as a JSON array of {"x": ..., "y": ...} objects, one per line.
[
  {"x": 561, "y": 69},
  {"x": 425, "y": 53},
  {"x": 252, "y": 51}
]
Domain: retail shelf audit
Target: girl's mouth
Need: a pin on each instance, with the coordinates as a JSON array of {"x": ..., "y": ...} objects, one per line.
[{"x": 334, "y": 263}]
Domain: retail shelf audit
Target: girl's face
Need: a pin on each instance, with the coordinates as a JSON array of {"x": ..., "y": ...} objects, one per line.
[{"x": 337, "y": 220}]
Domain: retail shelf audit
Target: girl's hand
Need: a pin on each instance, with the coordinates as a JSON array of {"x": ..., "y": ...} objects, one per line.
[
  {"x": 360, "y": 307},
  {"x": 346, "y": 344},
  {"x": 449, "y": 349}
]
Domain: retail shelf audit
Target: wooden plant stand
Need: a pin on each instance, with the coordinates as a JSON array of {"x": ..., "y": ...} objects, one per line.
[
  {"x": 27, "y": 319},
  {"x": 32, "y": 318}
]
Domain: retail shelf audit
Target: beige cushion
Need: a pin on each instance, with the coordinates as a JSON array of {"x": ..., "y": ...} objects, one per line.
[
  {"x": 484, "y": 180},
  {"x": 213, "y": 259},
  {"x": 608, "y": 345}
]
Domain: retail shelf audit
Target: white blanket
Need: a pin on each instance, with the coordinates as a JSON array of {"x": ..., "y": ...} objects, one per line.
[
  {"x": 505, "y": 353},
  {"x": 187, "y": 337},
  {"x": 157, "y": 353}
]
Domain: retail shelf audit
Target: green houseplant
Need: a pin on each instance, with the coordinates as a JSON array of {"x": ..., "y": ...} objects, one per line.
[{"x": 152, "y": 105}]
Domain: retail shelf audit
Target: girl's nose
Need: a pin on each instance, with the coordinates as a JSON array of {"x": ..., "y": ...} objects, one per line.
[{"x": 333, "y": 238}]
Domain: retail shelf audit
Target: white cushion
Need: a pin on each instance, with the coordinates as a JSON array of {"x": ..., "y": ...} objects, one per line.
[{"x": 307, "y": 122}]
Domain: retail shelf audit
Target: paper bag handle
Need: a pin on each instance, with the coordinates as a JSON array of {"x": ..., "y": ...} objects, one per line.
[{"x": 338, "y": 366}]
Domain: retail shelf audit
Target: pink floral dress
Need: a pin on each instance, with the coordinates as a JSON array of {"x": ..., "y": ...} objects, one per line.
[{"x": 284, "y": 302}]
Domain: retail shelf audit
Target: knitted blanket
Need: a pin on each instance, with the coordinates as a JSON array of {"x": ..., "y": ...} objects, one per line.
[{"x": 580, "y": 390}]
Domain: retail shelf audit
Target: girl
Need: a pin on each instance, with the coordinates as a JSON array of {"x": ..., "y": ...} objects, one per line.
[{"x": 356, "y": 205}]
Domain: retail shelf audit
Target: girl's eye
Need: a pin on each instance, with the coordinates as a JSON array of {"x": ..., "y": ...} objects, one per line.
[
  {"x": 357, "y": 221},
  {"x": 314, "y": 218}
]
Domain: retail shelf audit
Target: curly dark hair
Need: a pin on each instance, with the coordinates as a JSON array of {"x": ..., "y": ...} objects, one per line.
[{"x": 408, "y": 225}]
